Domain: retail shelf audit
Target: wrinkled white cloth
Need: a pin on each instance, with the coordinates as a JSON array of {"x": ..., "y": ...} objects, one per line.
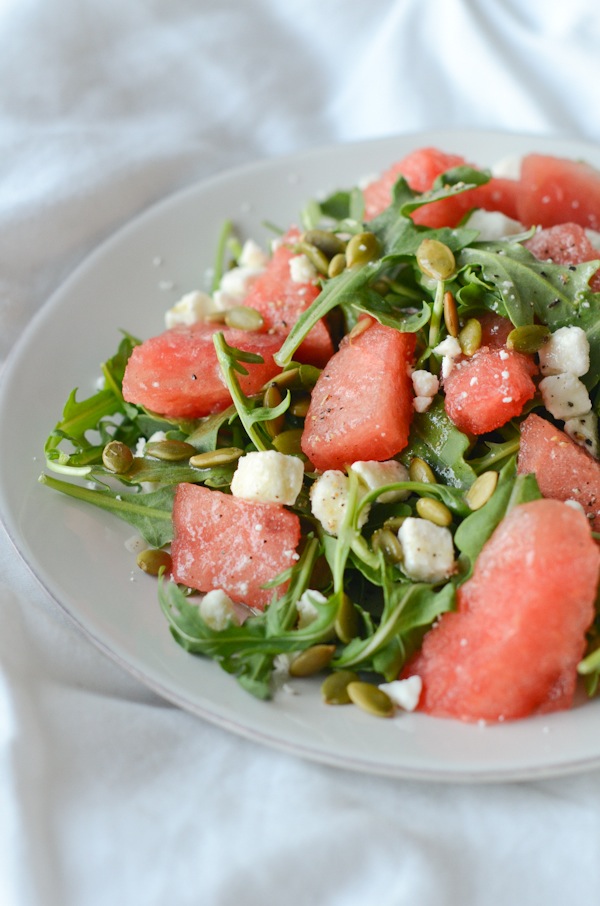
[{"x": 107, "y": 793}]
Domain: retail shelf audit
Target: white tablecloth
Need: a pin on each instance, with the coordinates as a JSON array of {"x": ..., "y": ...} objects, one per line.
[{"x": 109, "y": 795}]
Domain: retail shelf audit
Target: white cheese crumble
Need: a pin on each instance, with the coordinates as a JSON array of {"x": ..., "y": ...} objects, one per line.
[
  {"x": 492, "y": 225},
  {"x": 329, "y": 499},
  {"x": 404, "y": 693},
  {"x": 378, "y": 474},
  {"x": 191, "y": 308},
  {"x": 594, "y": 237},
  {"x": 507, "y": 167},
  {"x": 218, "y": 610},
  {"x": 584, "y": 431},
  {"x": 234, "y": 286},
  {"x": 307, "y": 612},
  {"x": 302, "y": 270},
  {"x": 142, "y": 441},
  {"x": 565, "y": 396},
  {"x": 450, "y": 350},
  {"x": 424, "y": 383},
  {"x": 267, "y": 476},
  {"x": 252, "y": 255},
  {"x": 428, "y": 550},
  {"x": 567, "y": 350}
]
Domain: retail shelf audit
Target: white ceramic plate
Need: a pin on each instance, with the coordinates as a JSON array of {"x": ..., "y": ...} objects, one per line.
[{"x": 78, "y": 553}]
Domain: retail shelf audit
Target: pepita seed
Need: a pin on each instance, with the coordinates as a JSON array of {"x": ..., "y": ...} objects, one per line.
[
  {"x": 362, "y": 248},
  {"x": 212, "y": 458},
  {"x": 371, "y": 699},
  {"x": 469, "y": 337},
  {"x": 481, "y": 490},
  {"x": 169, "y": 450},
  {"x": 435, "y": 259},
  {"x": 117, "y": 457},
  {"x": 312, "y": 660},
  {"x": 289, "y": 441},
  {"x": 309, "y": 375},
  {"x": 152, "y": 560},
  {"x": 337, "y": 265},
  {"x": 394, "y": 523},
  {"x": 317, "y": 258},
  {"x": 334, "y": 688},
  {"x": 242, "y": 317},
  {"x": 346, "y": 622},
  {"x": 451, "y": 314},
  {"x": 299, "y": 406},
  {"x": 272, "y": 398},
  {"x": 434, "y": 511},
  {"x": 419, "y": 470},
  {"x": 386, "y": 541},
  {"x": 528, "y": 338},
  {"x": 359, "y": 328},
  {"x": 328, "y": 242}
]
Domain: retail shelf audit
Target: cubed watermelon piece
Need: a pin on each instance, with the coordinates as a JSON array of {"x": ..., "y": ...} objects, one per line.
[
  {"x": 225, "y": 542},
  {"x": 556, "y": 190},
  {"x": 485, "y": 391},
  {"x": 361, "y": 405},
  {"x": 565, "y": 243},
  {"x": 494, "y": 329},
  {"x": 177, "y": 374},
  {"x": 512, "y": 647},
  {"x": 281, "y": 300},
  {"x": 421, "y": 168},
  {"x": 563, "y": 469}
]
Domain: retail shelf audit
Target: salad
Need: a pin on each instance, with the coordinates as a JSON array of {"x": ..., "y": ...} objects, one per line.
[{"x": 371, "y": 450}]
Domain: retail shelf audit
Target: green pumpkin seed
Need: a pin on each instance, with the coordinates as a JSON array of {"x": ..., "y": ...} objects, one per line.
[
  {"x": 394, "y": 523},
  {"x": 312, "y": 660},
  {"x": 326, "y": 241},
  {"x": 419, "y": 470},
  {"x": 169, "y": 450},
  {"x": 470, "y": 337},
  {"x": 435, "y": 259},
  {"x": 289, "y": 442},
  {"x": 117, "y": 457},
  {"x": 272, "y": 397},
  {"x": 529, "y": 338},
  {"x": 434, "y": 511},
  {"x": 336, "y": 265},
  {"x": 299, "y": 406},
  {"x": 371, "y": 699},
  {"x": 334, "y": 689},
  {"x": 362, "y": 248},
  {"x": 243, "y": 318},
  {"x": 346, "y": 621},
  {"x": 451, "y": 315},
  {"x": 152, "y": 560},
  {"x": 386, "y": 541},
  {"x": 317, "y": 258},
  {"x": 481, "y": 490},
  {"x": 212, "y": 458}
]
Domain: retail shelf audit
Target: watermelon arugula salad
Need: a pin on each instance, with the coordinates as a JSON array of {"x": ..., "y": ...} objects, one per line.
[{"x": 370, "y": 452}]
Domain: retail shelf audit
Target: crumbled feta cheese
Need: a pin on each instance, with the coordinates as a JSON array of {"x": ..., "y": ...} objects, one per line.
[
  {"x": 253, "y": 256},
  {"x": 594, "y": 237},
  {"x": 234, "y": 286},
  {"x": 404, "y": 693},
  {"x": 142, "y": 441},
  {"x": 191, "y": 308},
  {"x": 567, "y": 350},
  {"x": 424, "y": 383},
  {"x": 428, "y": 550},
  {"x": 217, "y": 610},
  {"x": 307, "y": 612},
  {"x": 267, "y": 476},
  {"x": 507, "y": 167},
  {"x": 448, "y": 347},
  {"x": 422, "y": 403},
  {"x": 565, "y": 396},
  {"x": 584, "y": 431},
  {"x": 378, "y": 474},
  {"x": 329, "y": 498},
  {"x": 302, "y": 270},
  {"x": 492, "y": 225}
]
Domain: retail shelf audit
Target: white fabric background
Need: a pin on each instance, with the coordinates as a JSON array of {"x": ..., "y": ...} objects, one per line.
[{"x": 109, "y": 795}]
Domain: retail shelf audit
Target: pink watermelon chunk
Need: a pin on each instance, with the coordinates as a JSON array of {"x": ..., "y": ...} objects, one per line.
[
  {"x": 563, "y": 469},
  {"x": 233, "y": 544},
  {"x": 281, "y": 301},
  {"x": 565, "y": 243},
  {"x": 361, "y": 405},
  {"x": 512, "y": 647},
  {"x": 177, "y": 373},
  {"x": 485, "y": 391},
  {"x": 421, "y": 168},
  {"x": 554, "y": 190}
]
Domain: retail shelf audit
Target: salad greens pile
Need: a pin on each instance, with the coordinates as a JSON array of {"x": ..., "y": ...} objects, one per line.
[{"x": 369, "y": 613}]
